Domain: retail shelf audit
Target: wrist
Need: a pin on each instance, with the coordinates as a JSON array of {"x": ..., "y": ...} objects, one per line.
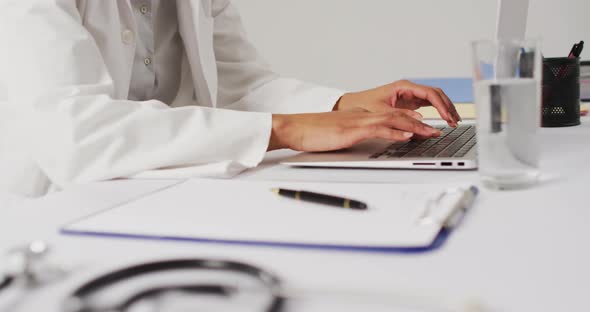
[
  {"x": 277, "y": 132},
  {"x": 342, "y": 102},
  {"x": 352, "y": 101}
]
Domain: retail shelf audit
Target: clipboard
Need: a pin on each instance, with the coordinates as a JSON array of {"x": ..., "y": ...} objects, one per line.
[{"x": 267, "y": 220}]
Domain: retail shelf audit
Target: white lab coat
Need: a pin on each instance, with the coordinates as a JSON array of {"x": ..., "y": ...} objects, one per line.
[{"x": 65, "y": 119}]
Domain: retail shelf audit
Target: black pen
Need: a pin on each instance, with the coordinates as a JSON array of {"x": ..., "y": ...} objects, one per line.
[
  {"x": 576, "y": 50},
  {"x": 579, "y": 49},
  {"x": 573, "y": 51},
  {"x": 322, "y": 199}
]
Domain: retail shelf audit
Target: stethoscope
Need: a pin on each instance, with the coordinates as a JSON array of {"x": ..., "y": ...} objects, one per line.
[
  {"x": 26, "y": 267},
  {"x": 5, "y": 282},
  {"x": 78, "y": 301}
]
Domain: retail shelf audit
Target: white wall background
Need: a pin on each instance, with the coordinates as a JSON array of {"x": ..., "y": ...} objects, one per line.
[{"x": 358, "y": 44}]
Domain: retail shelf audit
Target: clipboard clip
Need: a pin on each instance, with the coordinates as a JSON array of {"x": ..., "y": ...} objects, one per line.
[{"x": 449, "y": 220}]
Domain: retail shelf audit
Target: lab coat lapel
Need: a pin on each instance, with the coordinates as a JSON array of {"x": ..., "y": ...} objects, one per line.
[{"x": 196, "y": 29}]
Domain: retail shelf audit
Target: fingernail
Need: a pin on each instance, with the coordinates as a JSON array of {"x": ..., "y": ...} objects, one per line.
[
  {"x": 435, "y": 131},
  {"x": 408, "y": 134},
  {"x": 419, "y": 117}
]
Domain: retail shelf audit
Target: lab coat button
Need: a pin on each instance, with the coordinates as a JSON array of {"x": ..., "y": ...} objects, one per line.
[
  {"x": 127, "y": 36},
  {"x": 147, "y": 61},
  {"x": 144, "y": 9}
]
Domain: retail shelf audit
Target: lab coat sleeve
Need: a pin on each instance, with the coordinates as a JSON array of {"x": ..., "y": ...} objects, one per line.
[
  {"x": 246, "y": 81},
  {"x": 78, "y": 132}
]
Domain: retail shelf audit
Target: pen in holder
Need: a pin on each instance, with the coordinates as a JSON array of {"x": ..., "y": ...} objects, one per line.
[{"x": 561, "y": 92}]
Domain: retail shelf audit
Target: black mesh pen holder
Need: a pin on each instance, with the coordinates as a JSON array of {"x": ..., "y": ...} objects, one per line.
[{"x": 561, "y": 92}]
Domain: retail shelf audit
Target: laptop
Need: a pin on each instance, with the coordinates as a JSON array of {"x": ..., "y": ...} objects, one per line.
[{"x": 455, "y": 149}]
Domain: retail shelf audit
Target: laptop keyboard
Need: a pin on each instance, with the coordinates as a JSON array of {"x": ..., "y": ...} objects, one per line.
[{"x": 454, "y": 142}]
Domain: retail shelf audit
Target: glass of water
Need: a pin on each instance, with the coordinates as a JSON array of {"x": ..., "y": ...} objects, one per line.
[{"x": 507, "y": 88}]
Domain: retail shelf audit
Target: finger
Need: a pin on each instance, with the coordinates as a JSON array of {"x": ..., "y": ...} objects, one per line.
[
  {"x": 377, "y": 132},
  {"x": 420, "y": 103},
  {"x": 420, "y": 137},
  {"x": 380, "y": 118},
  {"x": 416, "y": 103},
  {"x": 370, "y": 119},
  {"x": 450, "y": 105},
  {"x": 405, "y": 123},
  {"x": 435, "y": 99},
  {"x": 387, "y": 133},
  {"x": 411, "y": 113},
  {"x": 407, "y": 99}
]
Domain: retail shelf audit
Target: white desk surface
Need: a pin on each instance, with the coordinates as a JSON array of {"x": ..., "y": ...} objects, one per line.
[{"x": 516, "y": 251}]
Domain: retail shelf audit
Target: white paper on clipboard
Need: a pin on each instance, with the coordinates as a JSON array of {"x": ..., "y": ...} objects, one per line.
[{"x": 247, "y": 211}]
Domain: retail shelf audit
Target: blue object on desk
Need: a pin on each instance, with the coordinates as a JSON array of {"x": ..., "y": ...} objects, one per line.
[
  {"x": 459, "y": 90},
  {"x": 438, "y": 242}
]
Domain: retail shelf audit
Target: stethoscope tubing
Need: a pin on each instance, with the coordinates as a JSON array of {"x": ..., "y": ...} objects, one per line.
[
  {"x": 76, "y": 302},
  {"x": 6, "y": 282}
]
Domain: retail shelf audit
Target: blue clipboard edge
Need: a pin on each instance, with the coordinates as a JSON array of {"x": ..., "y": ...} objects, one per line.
[{"x": 438, "y": 242}]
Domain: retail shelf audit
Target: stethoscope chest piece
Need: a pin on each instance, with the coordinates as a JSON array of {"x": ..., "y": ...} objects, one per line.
[{"x": 28, "y": 267}]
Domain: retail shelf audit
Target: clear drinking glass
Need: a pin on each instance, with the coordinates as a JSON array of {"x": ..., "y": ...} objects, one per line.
[{"x": 507, "y": 88}]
